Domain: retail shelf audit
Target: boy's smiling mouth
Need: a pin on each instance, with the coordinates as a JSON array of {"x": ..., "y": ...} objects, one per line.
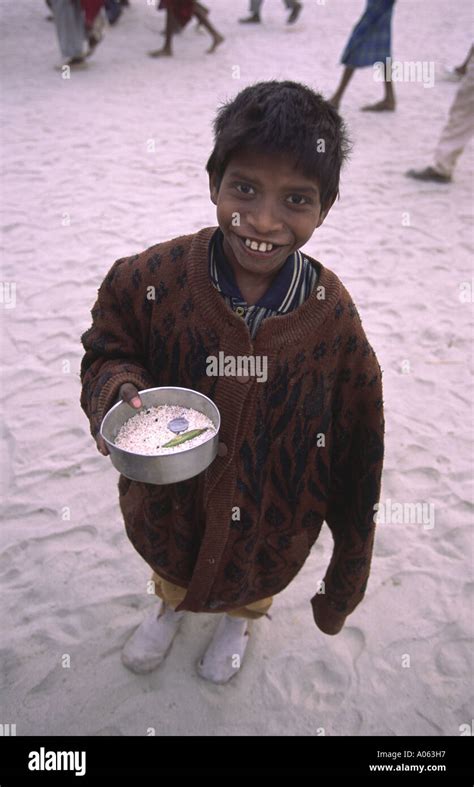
[{"x": 259, "y": 248}]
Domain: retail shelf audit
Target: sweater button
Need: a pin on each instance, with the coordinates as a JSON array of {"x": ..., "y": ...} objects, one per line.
[
  {"x": 222, "y": 449},
  {"x": 242, "y": 378}
]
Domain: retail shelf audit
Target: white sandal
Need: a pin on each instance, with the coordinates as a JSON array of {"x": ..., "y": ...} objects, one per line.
[
  {"x": 149, "y": 644},
  {"x": 224, "y": 655}
]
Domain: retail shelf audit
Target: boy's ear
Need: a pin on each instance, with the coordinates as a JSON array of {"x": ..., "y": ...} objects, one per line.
[{"x": 213, "y": 187}]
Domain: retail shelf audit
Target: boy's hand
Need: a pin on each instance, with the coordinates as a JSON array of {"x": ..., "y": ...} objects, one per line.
[{"x": 128, "y": 393}]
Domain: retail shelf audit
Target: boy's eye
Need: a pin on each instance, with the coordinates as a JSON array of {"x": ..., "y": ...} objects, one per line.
[
  {"x": 244, "y": 188},
  {"x": 297, "y": 199}
]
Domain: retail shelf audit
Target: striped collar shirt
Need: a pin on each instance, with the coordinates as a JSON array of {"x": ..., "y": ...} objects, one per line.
[{"x": 290, "y": 288}]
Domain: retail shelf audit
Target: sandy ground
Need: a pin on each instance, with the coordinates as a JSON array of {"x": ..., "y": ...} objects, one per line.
[{"x": 80, "y": 189}]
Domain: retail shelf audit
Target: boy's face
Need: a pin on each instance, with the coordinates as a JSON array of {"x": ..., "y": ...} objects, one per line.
[{"x": 263, "y": 199}]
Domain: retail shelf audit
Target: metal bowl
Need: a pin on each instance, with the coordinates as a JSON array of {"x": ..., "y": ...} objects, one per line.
[{"x": 166, "y": 468}]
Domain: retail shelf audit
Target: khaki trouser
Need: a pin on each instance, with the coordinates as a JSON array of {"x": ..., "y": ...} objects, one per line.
[
  {"x": 460, "y": 126},
  {"x": 172, "y": 595}
]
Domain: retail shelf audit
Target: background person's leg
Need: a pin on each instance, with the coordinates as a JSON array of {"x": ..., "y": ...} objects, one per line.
[
  {"x": 295, "y": 7},
  {"x": 256, "y": 6},
  {"x": 170, "y": 29},
  {"x": 460, "y": 126},
  {"x": 347, "y": 74},
  {"x": 388, "y": 103},
  {"x": 204, "y": 21},
  {"x": 69, "y": 24}
]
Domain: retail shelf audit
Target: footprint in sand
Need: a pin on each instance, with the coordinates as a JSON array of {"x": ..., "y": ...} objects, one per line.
[
  {"x": 354, "y": 640},
  {"x": 455, "y": 659},
  {"x": 347, "y": 722},
  {"x": 9, "y": 667},
  {"x": 320, "y": 684}
]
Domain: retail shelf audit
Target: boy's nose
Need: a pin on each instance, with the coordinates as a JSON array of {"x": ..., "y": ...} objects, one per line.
[{"x": 265, "y": 221}]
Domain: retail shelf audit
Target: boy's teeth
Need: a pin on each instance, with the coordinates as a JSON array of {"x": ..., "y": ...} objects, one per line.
[{"x": 252, "y": 244}]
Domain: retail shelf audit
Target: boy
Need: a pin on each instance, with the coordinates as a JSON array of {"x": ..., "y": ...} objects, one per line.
[{"x": 300, "y": 444}]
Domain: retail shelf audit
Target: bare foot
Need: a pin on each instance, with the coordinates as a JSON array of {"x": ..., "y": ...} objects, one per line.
[
  {"x": 217, "y": 40},
  {"x": 381, "y": 106},
  {"x": 161, "y": 53}
]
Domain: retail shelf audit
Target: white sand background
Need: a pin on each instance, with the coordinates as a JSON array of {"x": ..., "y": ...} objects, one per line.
[{"x": 81, "y": 189}]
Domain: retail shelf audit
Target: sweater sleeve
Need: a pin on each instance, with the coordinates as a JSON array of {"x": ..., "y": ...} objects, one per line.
[
  {"x": 114, "y": 346},
  {"x": 356, "y": 469}
]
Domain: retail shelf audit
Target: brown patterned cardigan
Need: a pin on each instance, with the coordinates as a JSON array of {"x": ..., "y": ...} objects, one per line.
[{"x": 323, "y": 379}]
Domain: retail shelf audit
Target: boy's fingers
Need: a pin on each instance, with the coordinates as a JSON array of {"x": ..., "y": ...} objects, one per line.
[
  {"x": 102, "y": 445},
  {"x": 129, "y": 394}
]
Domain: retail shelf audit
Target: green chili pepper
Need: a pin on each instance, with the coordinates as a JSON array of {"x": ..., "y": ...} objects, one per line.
[{"x": 183, "y": 437}]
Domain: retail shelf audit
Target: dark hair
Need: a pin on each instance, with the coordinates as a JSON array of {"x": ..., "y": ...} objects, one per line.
[{"x": 284, "y": 117}]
